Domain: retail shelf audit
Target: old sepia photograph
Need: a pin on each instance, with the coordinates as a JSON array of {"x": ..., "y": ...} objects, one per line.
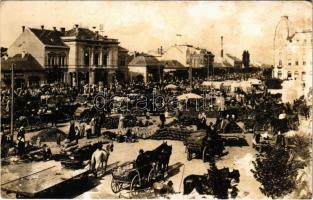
[{"x": 156, "y": 99}]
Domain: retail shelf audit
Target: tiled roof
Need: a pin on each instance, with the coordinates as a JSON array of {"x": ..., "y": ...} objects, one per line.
[
  {"x": 27, "y": 63},
  {"x": 82, "y": 33},
  {"x": 122, "y": 49},
  {"x": 144, "y": 60},
  {"x": 49, "y": 37},
  {"x": 172, "y": 64},
  {"x": 86, "y": 34},
  {"x": 233, "y": 57},
  {"x": 309, "y": 32}
]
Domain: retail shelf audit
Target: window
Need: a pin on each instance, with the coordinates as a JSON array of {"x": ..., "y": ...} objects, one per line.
[
  {"x": 60, "y": 61},
  {"x": 297, "y": 63},
  {"x": 96, "y": 59},
  {"x": 296, "y": 75},
  {"x": 289, "y": 63},
  {"x": 86, "y": 58},
  {"x": 303, "y": 76},
  {"x": 51, "y": 59},
  {"x": 279, "y": 74},
  {"x": 304, "y": 63},
  {"x": 122, "y": 61},
  {"x": 104, "y": 59},
  {"x": 289, "y": 75}
]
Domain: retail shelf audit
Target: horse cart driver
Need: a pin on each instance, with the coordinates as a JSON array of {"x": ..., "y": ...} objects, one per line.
[{"x": 143, "y": 166}]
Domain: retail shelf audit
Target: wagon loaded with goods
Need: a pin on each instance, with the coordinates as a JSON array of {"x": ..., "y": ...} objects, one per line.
[
  {"x": 128, "y": 176},
  {"x": 197, "y": 144}
]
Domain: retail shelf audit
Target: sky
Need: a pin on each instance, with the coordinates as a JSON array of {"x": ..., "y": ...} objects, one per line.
[{"x": 145, "y": 26}]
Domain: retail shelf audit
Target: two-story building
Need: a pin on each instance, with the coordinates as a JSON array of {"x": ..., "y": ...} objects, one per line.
[
  {"x": 92, "y": 58},
  {"x": 77, "y": 56},
  {"x": 196, "y": 60},
  {"x": 42, "y": 47}
]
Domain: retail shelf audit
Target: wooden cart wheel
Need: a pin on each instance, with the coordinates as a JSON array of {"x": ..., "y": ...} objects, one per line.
[
  {"x": 116, "y": 186},
  {"x": 204, "y": 154},
  {"x": 135, "y": 185},
  {"x": 189, "y": 155},
  {"x": 152, "y": 176}
]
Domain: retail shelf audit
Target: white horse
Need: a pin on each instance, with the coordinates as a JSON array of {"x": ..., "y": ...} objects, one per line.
[{"x": 100, "y": 157}]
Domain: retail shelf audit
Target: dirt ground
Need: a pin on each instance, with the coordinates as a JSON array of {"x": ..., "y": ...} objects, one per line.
[{"x": 237, "y": 158}]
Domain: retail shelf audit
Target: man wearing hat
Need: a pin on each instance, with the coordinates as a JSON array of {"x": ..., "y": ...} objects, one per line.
[{"x": 21, "y": 141}]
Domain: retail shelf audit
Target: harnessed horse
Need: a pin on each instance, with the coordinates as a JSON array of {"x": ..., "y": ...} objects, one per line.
[{"x": 100, "y": 157}]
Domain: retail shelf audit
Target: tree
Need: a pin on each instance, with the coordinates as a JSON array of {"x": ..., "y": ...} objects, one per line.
[
  {"x": 276, "y": 172},
  {"x": 246, "y": 58}
]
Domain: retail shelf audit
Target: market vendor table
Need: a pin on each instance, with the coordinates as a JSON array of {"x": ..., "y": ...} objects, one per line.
[{"x": 32, "y": 179}]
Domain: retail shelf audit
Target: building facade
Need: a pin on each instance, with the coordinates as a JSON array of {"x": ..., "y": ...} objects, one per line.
[
  {"x": 197, "y": 60},
  {"x": 77, "y": 56},
  {"x": 189, "y": 56},
  {"x": 292, "y": 52},
  {"x": 144, "y": 67}
]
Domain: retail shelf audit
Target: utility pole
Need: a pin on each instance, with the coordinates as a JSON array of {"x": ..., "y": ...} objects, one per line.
[
  {"x": 160, "y": 51},
  {"x": 12, "y": 99}
]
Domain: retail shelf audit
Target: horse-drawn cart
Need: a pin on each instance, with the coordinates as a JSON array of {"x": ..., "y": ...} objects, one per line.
[
  {"x": 196, "y": 144},
  {"x": 129, "y": 176}
]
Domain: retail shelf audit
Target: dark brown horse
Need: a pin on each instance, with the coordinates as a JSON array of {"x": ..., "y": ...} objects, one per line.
[
  {"x": 159, "y": 157},
  {"x": 217, "y": 184}
]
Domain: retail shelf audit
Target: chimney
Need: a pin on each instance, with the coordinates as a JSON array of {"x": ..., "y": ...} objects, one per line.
[
  {"x": 42, "y": 27},
  {"x": 23, "y": 28},
  {"x": 55, "y": 28},
  {"x": 62, "y": 30},
  {"x": 76, "y": 29},
  {"x": 23, "y": 54},
  {"x": 222, "y": 48}
]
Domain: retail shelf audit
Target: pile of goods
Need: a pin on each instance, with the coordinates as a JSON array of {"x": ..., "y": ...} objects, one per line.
[
  {"x": 109, "y": 135},
  {"x": 132, "y": 121},
  {"x": 49, "y": 135},
  {"x": 170, "y": 133},
  {"x": 233, "y": 127},
  {"x": 76, "y": 155},
  {"x": 145, "y": 132},
  {"x": 111, "y": 122},
  {"x": 195, "y": 139},
  {"x": 123, "y": 171},
  {"x": 188, "y": 120},
  {"x": 69, "y": 148}
]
